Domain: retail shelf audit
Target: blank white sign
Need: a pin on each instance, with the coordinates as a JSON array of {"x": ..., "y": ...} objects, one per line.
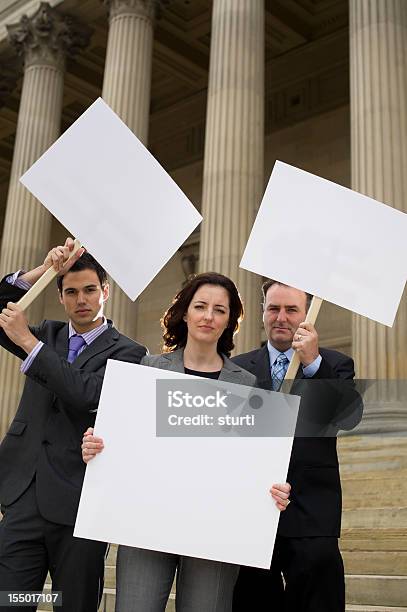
[
  {"x": 330, "y": 241},
  {"x": 196, "y": 496},
  {"x": 105, "y": 187}
]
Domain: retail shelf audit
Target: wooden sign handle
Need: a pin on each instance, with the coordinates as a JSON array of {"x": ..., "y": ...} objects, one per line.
[
  {"x": 311, "y": 317},
  {"x": 43, "y": 282}
]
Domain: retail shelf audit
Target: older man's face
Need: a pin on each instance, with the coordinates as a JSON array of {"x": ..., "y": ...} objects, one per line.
[{"x": 284, "y": 309}]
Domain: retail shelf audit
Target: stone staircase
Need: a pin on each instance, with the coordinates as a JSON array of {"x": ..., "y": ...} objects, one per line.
[{"x": 374, "y": 526}]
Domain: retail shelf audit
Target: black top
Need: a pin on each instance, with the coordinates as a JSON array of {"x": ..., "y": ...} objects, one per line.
[{"x": 214, "y": 375}]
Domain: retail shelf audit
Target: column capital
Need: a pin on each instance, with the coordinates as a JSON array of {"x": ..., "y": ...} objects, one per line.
[
  {"x": 47, "y": 37},
  {"x": 143, "y": 8}
]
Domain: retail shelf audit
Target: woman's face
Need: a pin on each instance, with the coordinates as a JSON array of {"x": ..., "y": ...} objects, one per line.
[{"x": 208, "y": 314}]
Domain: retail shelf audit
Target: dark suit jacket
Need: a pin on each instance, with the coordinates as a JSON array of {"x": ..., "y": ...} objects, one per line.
[
  {"x": 58, "y": 404},
  {"x": 328, "y": 403}
]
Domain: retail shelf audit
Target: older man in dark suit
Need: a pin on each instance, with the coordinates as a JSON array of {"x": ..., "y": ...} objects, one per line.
[
  {"x": 306, "y": 551},
  {"x": 41, "y": 468}
]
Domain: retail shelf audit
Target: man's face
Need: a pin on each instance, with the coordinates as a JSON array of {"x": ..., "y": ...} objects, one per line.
[
  {"x": 284, "y": 310},
  {"x": 83, "y": 299}
]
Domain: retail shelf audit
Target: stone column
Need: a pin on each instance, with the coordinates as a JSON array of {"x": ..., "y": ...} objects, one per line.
[
  {"x": 126, "y": 88},
  {"x": 378, "y": 65},
  {"x": 234, "y": 150},
  {"x": 43, "y": 41}
]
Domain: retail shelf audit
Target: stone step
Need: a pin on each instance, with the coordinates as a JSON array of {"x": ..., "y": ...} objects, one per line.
[
  {"x": 373, "y": 475},
  {"x": 373, "y": 491},
  {"x": 365, "y": 592},
  {"x": 369, "y": 587},
  {"x": 171, "y": 603},
  {"x": 375, "y": 518},
  {"x": 110, "y": 576},
  {"x": 354, "y": 454},
  {"x": 108, "y": 601},
  {"x": 349, "y": 458},
  {"x": 365, "y": 552},
  {"x": 362, "y": 593},
  {"x": 373, "y": 441},
  {"x": 112, "y": 554},
  {"x": 354, "y": 451},
  {"x": 390, "y": 466},
  {"x": 374, "y": 539},
  {"x": 388, "y": 563},
  {"x": 375, "y": 609},
  {"x": 108, "y": 606},
  {"x": 362, "y": 589}
]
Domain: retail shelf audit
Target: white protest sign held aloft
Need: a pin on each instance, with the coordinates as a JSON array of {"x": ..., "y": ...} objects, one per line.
[
  {"x": 330, "y": 241},
  {"x": 196, "y": 487},
  {"x": 105, "y": 187}
]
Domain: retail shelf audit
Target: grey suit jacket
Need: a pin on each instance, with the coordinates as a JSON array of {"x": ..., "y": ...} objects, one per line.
[{"x": 174, "y": 361}]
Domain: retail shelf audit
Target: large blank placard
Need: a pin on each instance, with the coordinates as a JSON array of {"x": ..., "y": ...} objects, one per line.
[
  {"x": 106, "y": 188},
  {"x": 331, "y": 242},
  {"x": 197, "y": 496}
]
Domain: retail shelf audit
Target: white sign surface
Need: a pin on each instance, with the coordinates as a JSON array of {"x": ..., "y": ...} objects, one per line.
[
  {"x": 331, "y": 242},
  {"x": 106, "y": 188},
  {"x": 204, "y": 497}
]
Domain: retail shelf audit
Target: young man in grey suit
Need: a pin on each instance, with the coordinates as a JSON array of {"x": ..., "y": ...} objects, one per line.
[
  {"x": 41, "y": 468},
  {"x": 306, "y": 550}
]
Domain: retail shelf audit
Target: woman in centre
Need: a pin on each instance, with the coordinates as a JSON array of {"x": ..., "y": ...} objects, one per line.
[{"x": 198, "y": 338}]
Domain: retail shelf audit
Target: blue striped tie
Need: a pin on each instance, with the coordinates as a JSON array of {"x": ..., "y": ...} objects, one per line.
[{"x": 279, "y": 371}]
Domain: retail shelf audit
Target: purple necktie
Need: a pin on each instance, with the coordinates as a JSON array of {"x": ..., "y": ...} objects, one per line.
[{"x": 75, "y": 344}]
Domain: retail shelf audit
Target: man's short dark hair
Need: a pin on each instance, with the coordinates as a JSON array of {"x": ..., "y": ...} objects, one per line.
[
  {"x": 85, "y": 262},
  {"x": 269, "y": 283}
]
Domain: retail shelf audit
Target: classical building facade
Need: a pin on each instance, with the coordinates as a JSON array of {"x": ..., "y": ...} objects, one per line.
[{"x": 218, "y": 90}]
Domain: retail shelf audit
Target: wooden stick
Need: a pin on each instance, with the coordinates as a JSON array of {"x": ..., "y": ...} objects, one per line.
[
  {"x": 311, "y": 317},
  {"x": 43, "y": 282}
]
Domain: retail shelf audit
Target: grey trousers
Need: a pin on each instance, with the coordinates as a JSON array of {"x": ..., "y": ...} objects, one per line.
[{"x": 144, "y": 579}]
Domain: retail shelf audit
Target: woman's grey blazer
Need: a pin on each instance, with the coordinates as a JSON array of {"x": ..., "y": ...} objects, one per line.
[{"x": 174, "y": 361}]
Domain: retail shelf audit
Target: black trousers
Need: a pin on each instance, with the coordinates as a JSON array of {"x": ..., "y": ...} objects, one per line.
[
  {"x": 313, "y": 574},
  {"x": 30, "y": 546}
]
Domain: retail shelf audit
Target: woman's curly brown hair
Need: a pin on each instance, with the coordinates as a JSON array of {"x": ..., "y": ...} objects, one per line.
[{"x": 173, "y": 324}]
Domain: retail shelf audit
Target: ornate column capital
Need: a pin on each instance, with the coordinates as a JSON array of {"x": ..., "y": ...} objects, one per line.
[
  {"x": 144, "y": 8},
  {"x": 47, "y": 37}
]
